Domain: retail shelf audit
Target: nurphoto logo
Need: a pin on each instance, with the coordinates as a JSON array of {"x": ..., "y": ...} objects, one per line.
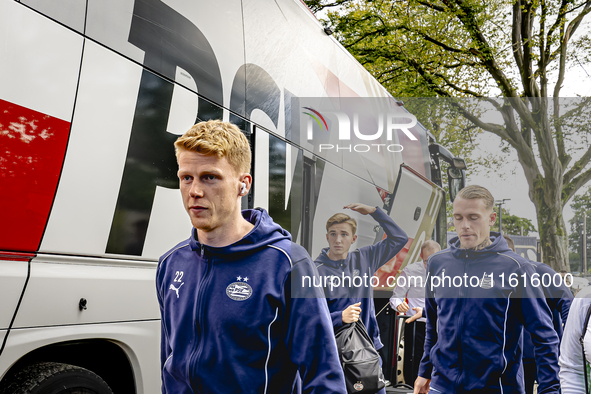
[
  {"x": 358, "y": 123},
  {"x": 316, "y": 119}
]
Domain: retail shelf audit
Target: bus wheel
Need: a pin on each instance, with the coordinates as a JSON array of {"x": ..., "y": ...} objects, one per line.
[{"x": 55, "y": 378}]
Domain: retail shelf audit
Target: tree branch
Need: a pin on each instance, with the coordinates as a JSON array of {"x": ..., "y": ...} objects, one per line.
[
  {"x": 438, "y": 43},
  {"x": 575, "y": 23},
  {"x": 511, "y": 134},
  {"x": 565, "y": 37},
  {"x": 529, "y": 83},
  {"x": 573, "y": 186},
  {"x": 490, "y": 127},
  {"x": 363, "y": 37},
  {"x": 559, "y": 23},
  {"x": 392, "y": 70},
  {"x": 457, "y": 88},
  {"x": 427, "y": 77},
  {"x": 516, "y": 34},
  {"x": 459, "y": 64},
  {"x": 577, "y": 167},
  {"x": 542, "y": 62},
  {"x": 549, "y": 157},
  {"x": 562, "y": 156},
  {"x": 466, "y": 15},
  {"x": 571, "y": 112},
  {"x": 432, "y": 6},
  {"x": 316, "y": 5}
]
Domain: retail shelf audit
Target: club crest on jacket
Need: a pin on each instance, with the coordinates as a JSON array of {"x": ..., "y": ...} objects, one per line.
[
  {"x": 487, "y": 281},
  {"x": 239, "y": 291}
]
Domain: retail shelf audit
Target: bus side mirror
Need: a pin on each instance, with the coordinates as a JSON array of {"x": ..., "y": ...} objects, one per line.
[{"x": 456, "y": 180}]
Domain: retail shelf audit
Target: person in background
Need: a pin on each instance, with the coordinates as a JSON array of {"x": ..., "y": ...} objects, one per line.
[
  {"x": 567, "y": 280},
  {"x": 475, "y": 315},
  {"x": 411, "y": 286},
  {"x": 572, "y": 363},
  {"x": 559, "y": 300},
  {"x": 348, "y": 303}
]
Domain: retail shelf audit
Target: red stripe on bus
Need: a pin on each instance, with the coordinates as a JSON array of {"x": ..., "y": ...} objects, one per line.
[{"x": 32, "y": 149}]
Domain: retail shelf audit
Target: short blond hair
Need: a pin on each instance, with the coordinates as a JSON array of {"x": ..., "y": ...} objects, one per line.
[
  {"x": 473, "y": 192},
  {"x": 217, "y": 138},
  {"x": 339, "y": 218}
]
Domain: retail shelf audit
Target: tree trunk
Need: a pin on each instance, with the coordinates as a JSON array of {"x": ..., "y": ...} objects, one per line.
[{"x": 551, "y": 227}]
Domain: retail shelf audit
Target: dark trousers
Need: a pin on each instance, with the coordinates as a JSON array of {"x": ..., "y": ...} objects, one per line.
[
  {"x": 413, "y": 350},
  {"x": 530, "y": 374},
  {"x": 382, "y": 391}
]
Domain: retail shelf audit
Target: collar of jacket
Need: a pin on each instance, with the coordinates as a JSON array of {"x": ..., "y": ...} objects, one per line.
[
  {"x": 264, "y": 233},
  {"x": 324, "y": 259},
  {"x": 498, "y": 245}
]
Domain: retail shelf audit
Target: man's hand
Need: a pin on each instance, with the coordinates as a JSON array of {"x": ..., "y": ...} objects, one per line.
[
  {"x": 421, "y": 385},
  {"x": 402, "y": 308},
  {"x": 351, "y": 314},
  {"x": 361, "y": 208},
  {"x": 418, "y": 314}
]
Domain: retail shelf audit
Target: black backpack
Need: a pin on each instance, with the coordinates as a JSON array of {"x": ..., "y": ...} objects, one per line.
[{"x": 359, "y": 359}]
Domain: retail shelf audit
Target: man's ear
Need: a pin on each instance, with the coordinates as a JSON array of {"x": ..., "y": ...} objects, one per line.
[
  {"x": 247, "y": 180},
  {"x": 354, "y": 238},
  {"x": 493, "y": 218}
]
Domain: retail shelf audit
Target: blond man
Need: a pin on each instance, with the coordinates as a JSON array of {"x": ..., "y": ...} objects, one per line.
[
  {"x": 479, "y": 297},
  {"x": 229, "y": 322}
]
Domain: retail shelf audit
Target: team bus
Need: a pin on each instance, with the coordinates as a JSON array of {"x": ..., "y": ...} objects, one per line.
[{"x": 93, "y": 95}]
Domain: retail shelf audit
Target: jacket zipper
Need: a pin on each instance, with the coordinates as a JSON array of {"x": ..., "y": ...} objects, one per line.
[{"x": 199, "y": 326}]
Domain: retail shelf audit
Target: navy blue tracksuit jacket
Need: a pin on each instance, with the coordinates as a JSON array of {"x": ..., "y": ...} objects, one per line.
[
  {"x": 230, "y": 323},
  {"x": 360, "y": 262},
  {"x": 475, "y": 320}
]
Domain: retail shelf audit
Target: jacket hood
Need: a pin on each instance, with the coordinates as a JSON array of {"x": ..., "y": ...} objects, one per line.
[
  {"x": 265, "y": 232},
  {"x": 498, "y": 245}
]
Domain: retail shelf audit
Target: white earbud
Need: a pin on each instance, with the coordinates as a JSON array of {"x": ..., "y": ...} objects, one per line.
[{"x": 243, "y": 190}]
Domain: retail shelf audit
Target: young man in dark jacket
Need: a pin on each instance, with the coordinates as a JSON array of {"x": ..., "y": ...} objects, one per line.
[
  {"x": 229, "y": 322},
  {"x": 352, "y": 299},
  {"x": 479, "y": 297}
]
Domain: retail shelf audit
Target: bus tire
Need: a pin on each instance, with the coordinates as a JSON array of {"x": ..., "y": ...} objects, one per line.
[{"x": 55, "y": 378}]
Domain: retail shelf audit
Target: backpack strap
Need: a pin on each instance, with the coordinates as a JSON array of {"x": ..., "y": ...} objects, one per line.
[{"x": 582, "y": 341}]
